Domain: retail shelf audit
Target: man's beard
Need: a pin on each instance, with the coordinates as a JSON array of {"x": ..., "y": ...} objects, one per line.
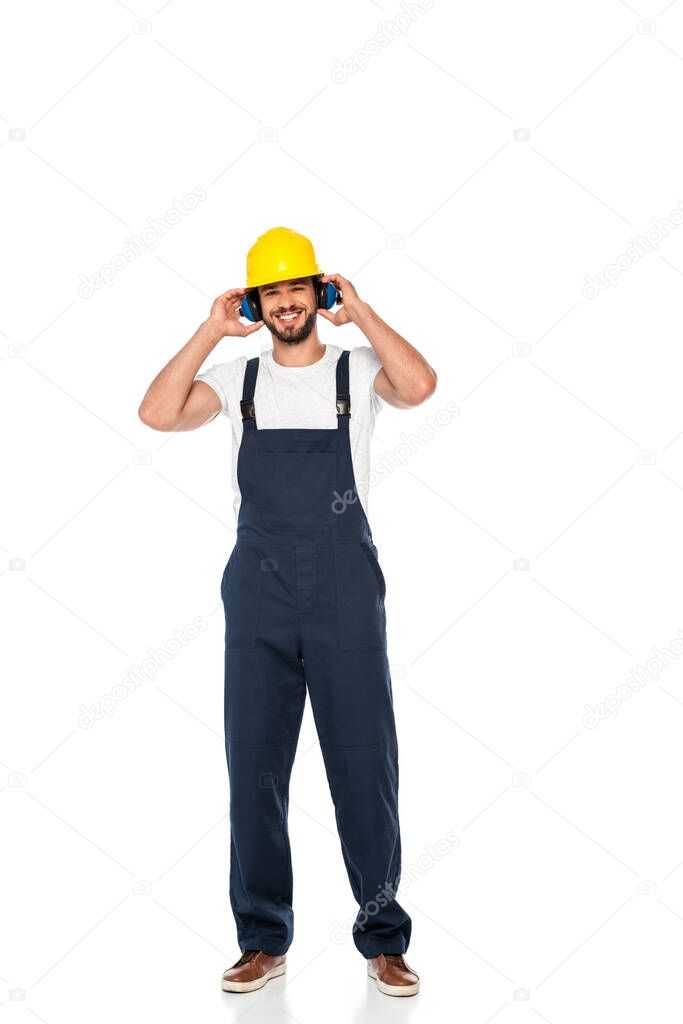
[{"x": 292, "y": 337}]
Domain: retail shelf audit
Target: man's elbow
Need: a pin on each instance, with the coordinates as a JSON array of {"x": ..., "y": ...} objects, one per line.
[
  {"x": 151, "y": 418},
  {"x": 422, "y": 390}
]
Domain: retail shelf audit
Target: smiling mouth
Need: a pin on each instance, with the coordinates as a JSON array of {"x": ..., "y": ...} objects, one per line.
[{"x": 288, "y": 318}]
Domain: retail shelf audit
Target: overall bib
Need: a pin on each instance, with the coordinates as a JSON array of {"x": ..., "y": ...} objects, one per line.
[{"x": 303, "y": 593}]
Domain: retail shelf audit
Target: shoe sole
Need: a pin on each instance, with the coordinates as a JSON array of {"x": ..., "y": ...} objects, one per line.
[
  {"x": 394, "y": 990},
  {"x": 251, "y": 986}
]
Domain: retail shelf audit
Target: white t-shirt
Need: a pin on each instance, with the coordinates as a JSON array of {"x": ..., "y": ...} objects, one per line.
[{"x": 303, "y": 397}]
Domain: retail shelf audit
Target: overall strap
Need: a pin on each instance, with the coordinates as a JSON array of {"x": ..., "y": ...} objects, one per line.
[
  {"x": 343, "y": 399},
  {"x": 247, "y": 404},
  {"x": 343, "y": 394}
]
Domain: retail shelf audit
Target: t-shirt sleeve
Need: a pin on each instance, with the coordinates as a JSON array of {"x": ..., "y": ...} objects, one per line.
[
  {"x": 220, "y": 376},
  {"x": 369, "y": 366}
]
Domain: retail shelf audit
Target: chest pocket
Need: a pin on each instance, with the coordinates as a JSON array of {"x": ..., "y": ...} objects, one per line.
[
  {"x": 295, "y": 489},
  {"x": 360, "y": 590}
]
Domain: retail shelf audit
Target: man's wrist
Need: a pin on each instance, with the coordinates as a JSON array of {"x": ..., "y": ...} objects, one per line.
[
  {"x": 212, "y": 329},
  {"x": 360, "y": 312}
]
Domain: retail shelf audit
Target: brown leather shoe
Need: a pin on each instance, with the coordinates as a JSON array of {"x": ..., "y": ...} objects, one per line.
[
  {"x": 393, "y": 976},
  {"x": 253, "y": 969}
]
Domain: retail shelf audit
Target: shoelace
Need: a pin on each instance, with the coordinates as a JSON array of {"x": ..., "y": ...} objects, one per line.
[
  {"x": 396, "y": 958},
  {"x": 248, "y": 955}
]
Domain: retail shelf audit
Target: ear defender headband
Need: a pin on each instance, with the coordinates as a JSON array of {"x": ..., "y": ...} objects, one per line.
[{"x": 326, "y": 293}]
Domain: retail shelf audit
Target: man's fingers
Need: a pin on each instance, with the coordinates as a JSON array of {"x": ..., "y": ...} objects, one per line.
[
  {"x": 253, "y": 327},
  {"x": 231, "y": 292}
]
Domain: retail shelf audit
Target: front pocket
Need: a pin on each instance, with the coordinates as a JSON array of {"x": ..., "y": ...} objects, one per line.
[
  {"x": 241, "y": 592},
  {"x": 361, "y": 617}
]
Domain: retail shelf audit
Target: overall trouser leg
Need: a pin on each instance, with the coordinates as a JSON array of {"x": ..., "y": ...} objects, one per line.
[
  {"x": 351, "y": 699},
  {"x": 264, "y": 702}
]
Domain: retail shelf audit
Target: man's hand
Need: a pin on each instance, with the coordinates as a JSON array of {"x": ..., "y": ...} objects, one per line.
[
  {"x": 351, "y": 303},
  {"x": 405, "y": 378},
  {"x": 225, "y": 315}
]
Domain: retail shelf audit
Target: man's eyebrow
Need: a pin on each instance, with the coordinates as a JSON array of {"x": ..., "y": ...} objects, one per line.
[{"x": 274, "y": 286}]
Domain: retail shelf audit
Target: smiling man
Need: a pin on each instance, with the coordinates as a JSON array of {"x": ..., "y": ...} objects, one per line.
[
  {"x": 294, "y": 323},
  {"x": 303, "y": 590}
]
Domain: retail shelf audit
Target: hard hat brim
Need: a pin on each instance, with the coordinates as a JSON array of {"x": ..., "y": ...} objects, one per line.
[{"x": 279, "y": 280}]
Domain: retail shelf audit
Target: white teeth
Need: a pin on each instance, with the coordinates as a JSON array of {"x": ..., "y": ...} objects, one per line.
[{"x": 288, "y": 316}]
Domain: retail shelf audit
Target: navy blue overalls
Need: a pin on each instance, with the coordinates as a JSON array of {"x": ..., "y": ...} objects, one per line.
[{"x": 304, "y": 606}]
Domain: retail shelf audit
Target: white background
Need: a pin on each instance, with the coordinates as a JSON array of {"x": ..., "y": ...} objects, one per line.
[{"x": 466, "y": 176}]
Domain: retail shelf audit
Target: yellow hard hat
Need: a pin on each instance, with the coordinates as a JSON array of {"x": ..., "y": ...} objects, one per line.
[{"x": 278, "y": 255}]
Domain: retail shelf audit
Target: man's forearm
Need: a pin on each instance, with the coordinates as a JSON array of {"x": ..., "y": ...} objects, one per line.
[
  {"x": 168, "y": 392},
  {"x": 408, "y": 372}
]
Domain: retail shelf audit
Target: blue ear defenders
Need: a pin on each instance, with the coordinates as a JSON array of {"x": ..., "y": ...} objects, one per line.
[{"x": 327, "y": 294}]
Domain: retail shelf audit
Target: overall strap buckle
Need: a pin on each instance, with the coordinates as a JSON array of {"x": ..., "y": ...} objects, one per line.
[
  {"x": 343, "y": 389},
  {"x": 247, "y": 407}
]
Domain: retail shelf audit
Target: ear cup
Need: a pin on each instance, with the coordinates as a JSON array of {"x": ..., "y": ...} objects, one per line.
[
  {"x": 331, "y": 295},
  {"x": 326, "y": 294},
  {"x": 250, "y": 307}
]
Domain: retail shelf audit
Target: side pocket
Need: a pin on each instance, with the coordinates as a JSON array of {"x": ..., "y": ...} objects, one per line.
[
  {"x": 361, "y": 619},
  {"x": 241, "y": 591},
  {"x": 376, "y": 568},
  {"x": 226, "y": 572}
]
